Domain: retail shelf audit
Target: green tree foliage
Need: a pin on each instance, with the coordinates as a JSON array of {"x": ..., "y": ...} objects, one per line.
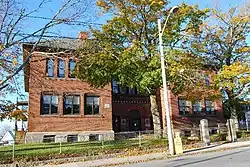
[
  {"x": 126, "y": 47},
  {"x": 223, "y": 44}
]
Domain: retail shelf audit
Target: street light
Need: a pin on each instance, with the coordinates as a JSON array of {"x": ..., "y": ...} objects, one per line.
[{"x": 165, "y": 89}]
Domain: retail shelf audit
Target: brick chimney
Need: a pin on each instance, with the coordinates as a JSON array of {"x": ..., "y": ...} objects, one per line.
[{"x": 83, "y": 35}]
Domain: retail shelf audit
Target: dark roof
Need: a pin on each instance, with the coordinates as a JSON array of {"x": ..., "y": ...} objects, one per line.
[
  {"x": 62, "y": 43},
  {"x": 19, "y": 103}
]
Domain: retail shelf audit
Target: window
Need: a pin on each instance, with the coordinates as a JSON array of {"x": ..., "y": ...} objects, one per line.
[
  {"x": 91, "y": 105},
  {"x": 197, "y": 107},
  {"x": 115, "y": 87},
  {"x": 49, "y": 139},
  {"x": 71, "y": 105},
  {"x": 184, "y": 107},
  {"x": 50, "y": 67},
  {"x": 123, "y": 89},
  {"x": 72, "y": 138},
  {"x": 49, "y": 104},
  {"x": 131, "y": 91},
  {"x": 72, "y": 64},
  {"x": 61, "y": 68},
  {"x": 207, "y": 79},
  {"x": 93, "y": 137},
  {"x": 209, "y": 107}
]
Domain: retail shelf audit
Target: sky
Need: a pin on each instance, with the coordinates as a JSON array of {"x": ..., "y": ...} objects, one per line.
[
  {"x": 52, "y": 6},
  {"x": 48, "y": 10}
]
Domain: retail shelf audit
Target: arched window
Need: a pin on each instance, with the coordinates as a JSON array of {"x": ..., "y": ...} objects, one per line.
[
  {"x": 50, "y": 67},
  {"x": 61, "y": 68},
  {"x": 72, "y": 64}
]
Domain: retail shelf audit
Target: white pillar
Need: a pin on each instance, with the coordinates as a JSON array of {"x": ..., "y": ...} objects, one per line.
[{"x": 205, "y": 131}]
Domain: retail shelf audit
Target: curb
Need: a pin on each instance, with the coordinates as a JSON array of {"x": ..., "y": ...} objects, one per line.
[{"x": 167, "y": 156}]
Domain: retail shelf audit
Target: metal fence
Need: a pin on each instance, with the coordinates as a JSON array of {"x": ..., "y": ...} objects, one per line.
[{"x": 122, "y": 144}]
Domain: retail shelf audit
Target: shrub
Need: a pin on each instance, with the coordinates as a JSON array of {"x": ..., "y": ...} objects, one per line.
[
  {"x": 218, "y": 137},
  {"x": 243, "y": 134}
]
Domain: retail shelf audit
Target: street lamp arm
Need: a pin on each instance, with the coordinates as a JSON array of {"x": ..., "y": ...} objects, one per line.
[{"x": 171, "y": 11}]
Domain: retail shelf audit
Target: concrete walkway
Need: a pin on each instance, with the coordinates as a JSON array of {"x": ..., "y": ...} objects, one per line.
[{"x": 152, "y": 156}]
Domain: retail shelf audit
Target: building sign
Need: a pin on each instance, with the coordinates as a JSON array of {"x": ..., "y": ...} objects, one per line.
[
  {"x": 107, "y": 105},
  {"x": 178, "y": 144}
]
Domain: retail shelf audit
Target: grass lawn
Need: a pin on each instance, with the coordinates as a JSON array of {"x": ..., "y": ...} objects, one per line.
[{"x": 44, "y": 151}]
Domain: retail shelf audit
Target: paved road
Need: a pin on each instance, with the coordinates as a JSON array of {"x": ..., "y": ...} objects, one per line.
[{"x": 229, "y": 158}]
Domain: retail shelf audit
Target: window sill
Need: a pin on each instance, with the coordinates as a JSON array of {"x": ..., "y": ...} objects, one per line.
[
  {"x": 71, "y": 78},
  {"x": 94, "y": 116},
  {"x": 71, "y": 115},
  {"x": 60, "y": 78},
  {"x": 49, "y": 115},
  {"x": 56, "y": 78},
  {"x": 49, "y": 77},
  {"x": 198, "y": 115}
]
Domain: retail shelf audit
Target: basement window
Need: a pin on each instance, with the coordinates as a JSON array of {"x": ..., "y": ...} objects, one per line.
[
  {"x": 93, "y": 137},
  {"x": 72, "y": 138},
  {"x": 49, "y": 138}
]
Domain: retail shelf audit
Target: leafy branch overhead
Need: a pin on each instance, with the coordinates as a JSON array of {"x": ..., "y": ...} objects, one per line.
[
  {"x": 128, "y": 44},
  {"x": 13, "y": 17},
  {"x": 224, "y": 46}
]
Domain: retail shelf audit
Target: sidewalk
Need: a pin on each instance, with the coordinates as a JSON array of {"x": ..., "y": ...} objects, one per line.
[{"x": 153, "y": 156}]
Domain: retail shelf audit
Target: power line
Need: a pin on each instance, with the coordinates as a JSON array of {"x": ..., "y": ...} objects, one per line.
[
  {"x": 69, "y": 22},
  {"x": 47, "y": 36},
  {"x": 77, "y": 22}
]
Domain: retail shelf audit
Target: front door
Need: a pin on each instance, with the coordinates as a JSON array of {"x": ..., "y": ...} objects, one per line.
[{"x": 135, "y": 120}]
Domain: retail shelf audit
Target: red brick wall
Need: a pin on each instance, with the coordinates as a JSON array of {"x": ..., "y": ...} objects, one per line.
[
  {"x": 38, "y": 83},
  {"x": 182, "y": 122}
]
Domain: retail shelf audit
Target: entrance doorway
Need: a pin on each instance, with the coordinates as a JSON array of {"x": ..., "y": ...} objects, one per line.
[
  {"x": 116, "y": 123},
  {"x": 135, "y": 120}
]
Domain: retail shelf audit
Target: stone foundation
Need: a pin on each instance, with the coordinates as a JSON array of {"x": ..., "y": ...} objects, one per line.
[{"x": 37, "y": 137}]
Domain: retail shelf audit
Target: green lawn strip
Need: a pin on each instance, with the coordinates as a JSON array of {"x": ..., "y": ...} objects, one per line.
[
  {"x": 31, "y": 150},
  {"x": 43, "y": 151}
]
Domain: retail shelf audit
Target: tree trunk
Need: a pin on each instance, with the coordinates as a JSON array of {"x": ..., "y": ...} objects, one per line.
[
  {"x": 232, "y": 115},
  {"x": 155, "y": 115},
  {"x": 15, "y": 124}
]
